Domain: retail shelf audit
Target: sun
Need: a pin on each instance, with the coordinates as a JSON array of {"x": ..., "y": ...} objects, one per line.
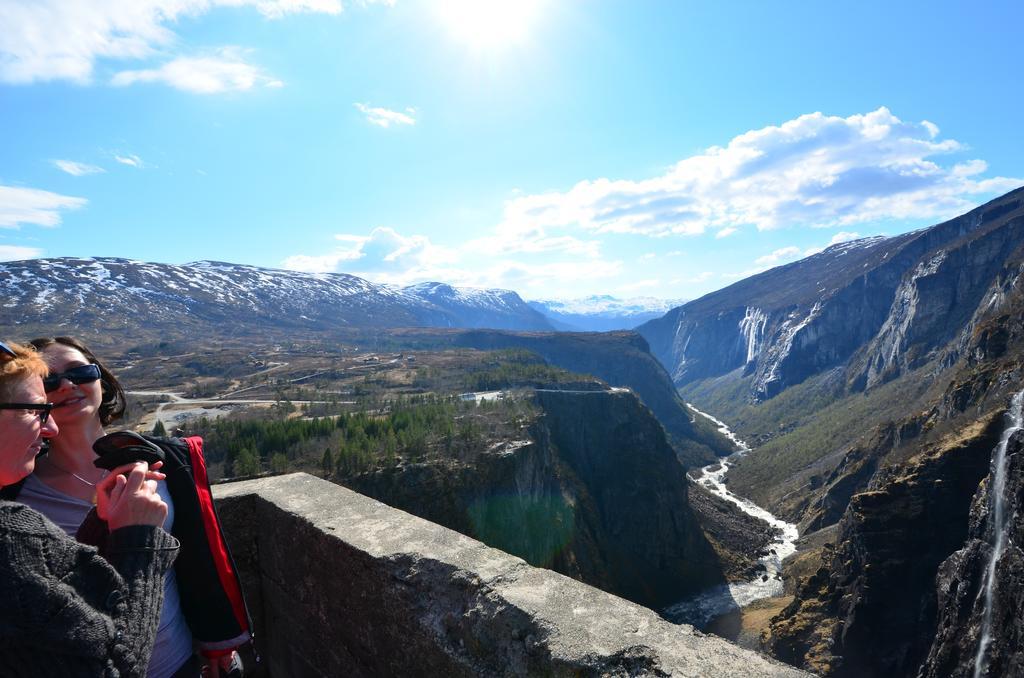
[{"x": 489, "y": 24}]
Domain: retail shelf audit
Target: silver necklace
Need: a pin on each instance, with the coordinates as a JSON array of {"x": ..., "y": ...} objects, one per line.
[{"x": 57, "y": 466}]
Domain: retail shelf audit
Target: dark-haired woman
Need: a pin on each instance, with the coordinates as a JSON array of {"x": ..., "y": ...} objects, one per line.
[
  {"x": 66, "y": 610},
  {"x": 202, "y": 595}
]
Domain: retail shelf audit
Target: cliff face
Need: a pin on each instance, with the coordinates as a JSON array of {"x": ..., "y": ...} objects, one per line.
[
  {"x": 876, "y": 307},
  {"x": 621, "y": 359},
  {"x": 593, "y": 491},
  {"x": 963, "y": 620},
  {"x": 870, "y": 611},
  {"x": 916, "y": 391},
  {"x": 898, "y": 591}
]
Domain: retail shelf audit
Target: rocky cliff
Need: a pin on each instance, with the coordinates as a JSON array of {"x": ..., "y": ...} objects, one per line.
[
  {"x": 870, "y": 611},
  {"x": 873, "y": 376},
  {"x": 979, "y": 630},
  {"x": 593, "y": 490},
  {"x": 621, "y": 359},
  {"x": 877, "y": 306},
  {"x": 899, "y": 589}
]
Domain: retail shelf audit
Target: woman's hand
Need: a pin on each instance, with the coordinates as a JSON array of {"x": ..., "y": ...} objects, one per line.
[{"x": 128, "y": 496}]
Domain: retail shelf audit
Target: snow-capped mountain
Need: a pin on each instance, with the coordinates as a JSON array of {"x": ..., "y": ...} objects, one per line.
[
  {"x": 143, "y": 299},
  {"x": 603, "y": 313},
  {"x": 876, "y": 307}
]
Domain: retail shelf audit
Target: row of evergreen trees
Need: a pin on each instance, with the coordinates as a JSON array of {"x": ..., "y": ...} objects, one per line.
[{"x": 347, "y": 444}]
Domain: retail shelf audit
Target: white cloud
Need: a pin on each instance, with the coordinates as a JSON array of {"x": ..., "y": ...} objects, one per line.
[
  {"x": 17, "y": 253},
  {"x": 275, "y": 9},
  {"x": 815, "y": 170},
  {"x": 63, "y": 39},
  {"x": 843, "y": 236},
  {"x": 77, "y": 169},
  {"x": 703, "y": 276},
  {"x": 782, "y": 254},
  {"x": 33, "y": 206},
  {"x": 130, "y": 160},
  {"x": 383, "y": 117},
  {"x": 383, "y": 256},
  {"x": 223, "y": 71},
  {"x": 386, "y": 256}
]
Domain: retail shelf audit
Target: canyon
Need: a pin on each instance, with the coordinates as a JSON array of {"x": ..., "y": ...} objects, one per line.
[{"x": 875, "y": 387}]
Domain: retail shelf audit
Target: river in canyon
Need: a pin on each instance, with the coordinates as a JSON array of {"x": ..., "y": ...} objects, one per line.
[{"x": 725, "y": 598}]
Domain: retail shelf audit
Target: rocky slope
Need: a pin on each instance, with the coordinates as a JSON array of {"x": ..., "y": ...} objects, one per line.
[
  {"x": 143, "y": 301},
  {"x": 873, "y": 377},
  {"x": 964, "y": 624},
  {"x": 620, "y": 359},
  {"x": 592, "y": 490},
  {"x": 876, "y": 307},
  {"x": 898, "y": 592},
  {"x": 871, "y": 610}
]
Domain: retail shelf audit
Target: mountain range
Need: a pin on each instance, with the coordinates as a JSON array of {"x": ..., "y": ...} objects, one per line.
[
  {"x": 876, "y": 307},
  {"x": 142, "y": 300},
  {"x": 602, "y": 312}
]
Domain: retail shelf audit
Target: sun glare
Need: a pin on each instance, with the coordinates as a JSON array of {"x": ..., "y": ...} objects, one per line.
[{"x": 489, "y": 24}]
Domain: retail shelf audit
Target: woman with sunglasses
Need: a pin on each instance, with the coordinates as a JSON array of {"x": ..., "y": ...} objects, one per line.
[
  {"x": 203, "y": 599},
  {"x": 67, "y": 610}
]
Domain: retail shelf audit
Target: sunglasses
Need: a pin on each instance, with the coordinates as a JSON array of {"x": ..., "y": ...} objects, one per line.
[
  {"x": 7, "y": 351},
  {"x": 83, "y": 374},
  {"x": 43, "y": 409}
]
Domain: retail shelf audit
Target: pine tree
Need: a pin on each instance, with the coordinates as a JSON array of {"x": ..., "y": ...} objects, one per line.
[{"x": 158, "y": 428}]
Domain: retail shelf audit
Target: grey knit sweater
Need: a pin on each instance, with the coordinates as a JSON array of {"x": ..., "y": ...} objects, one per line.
[{"x": 65, "y": 610}]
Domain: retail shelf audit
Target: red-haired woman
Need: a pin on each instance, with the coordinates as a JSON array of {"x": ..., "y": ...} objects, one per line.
[{"x": 68, "y": 610}]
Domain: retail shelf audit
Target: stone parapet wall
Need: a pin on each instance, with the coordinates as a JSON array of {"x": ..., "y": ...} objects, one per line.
[{"x": 343, "y": 585}]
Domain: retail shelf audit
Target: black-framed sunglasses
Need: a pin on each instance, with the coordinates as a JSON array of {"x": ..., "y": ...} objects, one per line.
[
  {"x": 43, "y": 409},
  {"x": 6, "y": 351},
  {"x": 83, "y": 374}
]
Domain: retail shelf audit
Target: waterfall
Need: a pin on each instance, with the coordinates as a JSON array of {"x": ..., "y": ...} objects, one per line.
[{"x": 998, "y": 518}]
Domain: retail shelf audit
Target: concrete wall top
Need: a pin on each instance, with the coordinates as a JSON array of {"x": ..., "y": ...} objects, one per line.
[{"x": 342, "y": 584}]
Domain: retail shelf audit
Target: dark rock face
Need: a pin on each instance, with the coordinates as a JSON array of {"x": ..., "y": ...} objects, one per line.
[
  {"x": 825, "y": 504},
  {"x": 621, "y": 359},
  {"x": 877, "y": 306},
  {"x": 961, "y": 581},
  {"x": 595, "y": 493},
  {"x": 875, "y": 601}
]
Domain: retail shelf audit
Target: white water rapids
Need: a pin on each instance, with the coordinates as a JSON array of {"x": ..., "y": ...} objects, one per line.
[
  {"x": 997, "y": 497},
  {"x": 724, "y": 598}
]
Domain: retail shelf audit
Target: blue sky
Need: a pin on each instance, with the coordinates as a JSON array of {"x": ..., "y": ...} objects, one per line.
[{"x": 558, "y": 148}]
